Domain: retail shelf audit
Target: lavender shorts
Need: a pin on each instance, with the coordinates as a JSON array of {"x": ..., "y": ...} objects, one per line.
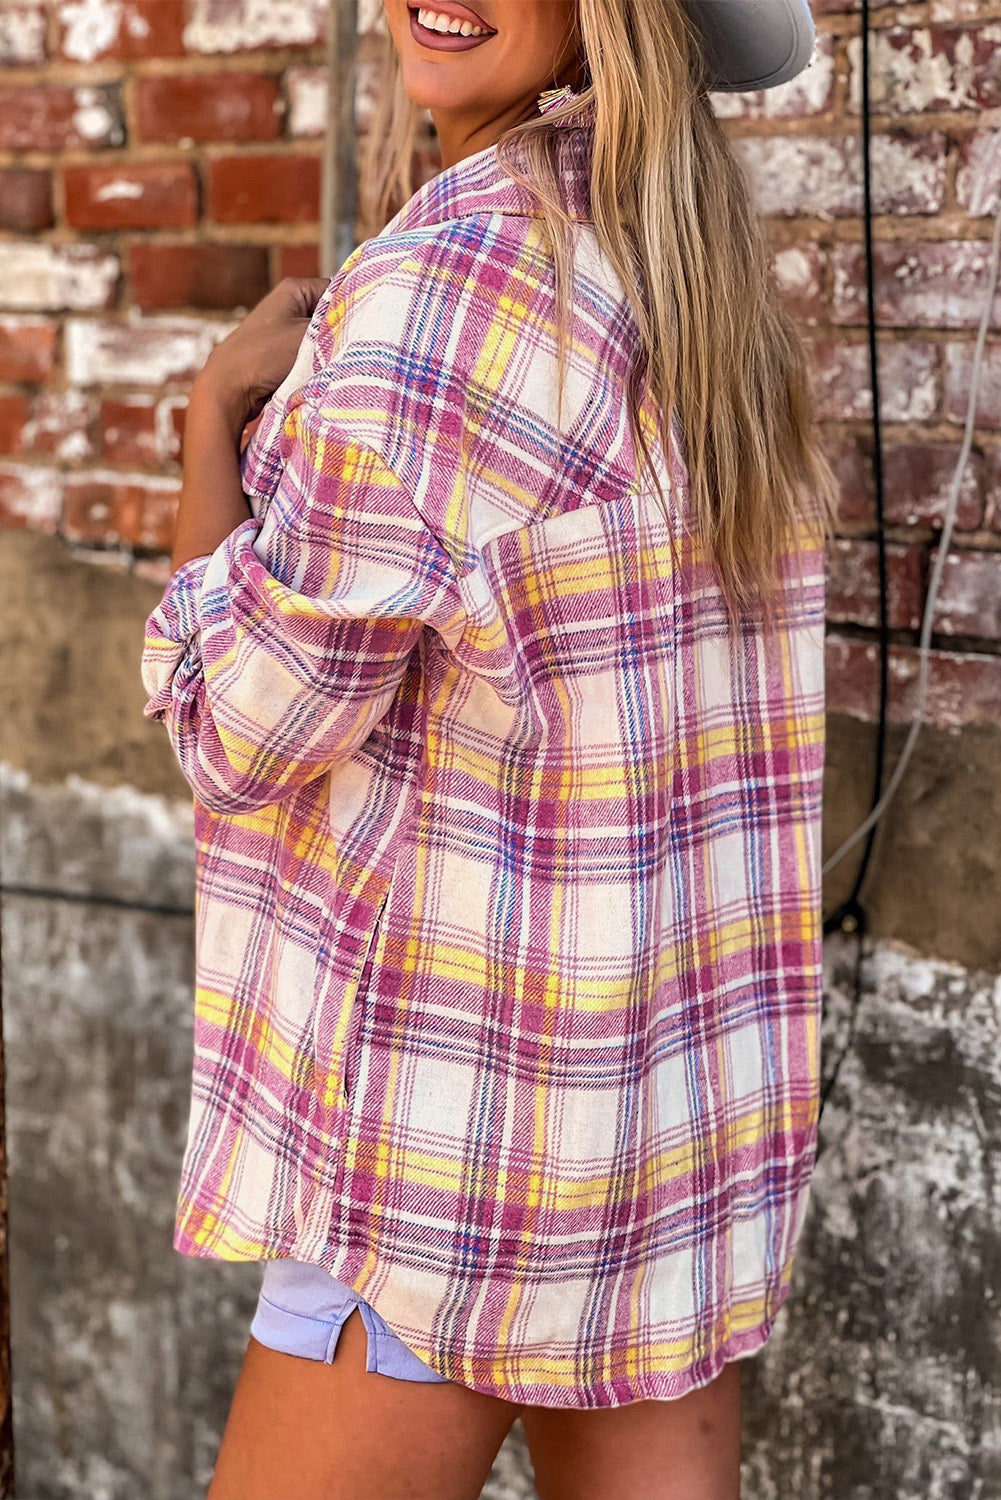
[{"x": 302, "y": 1309}]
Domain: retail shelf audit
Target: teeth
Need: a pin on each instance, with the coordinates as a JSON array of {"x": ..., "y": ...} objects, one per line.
[{"x": 446, "y": 25}]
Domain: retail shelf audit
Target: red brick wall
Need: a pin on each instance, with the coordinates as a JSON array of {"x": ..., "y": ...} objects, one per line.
[{"x": 160, "y": 170}]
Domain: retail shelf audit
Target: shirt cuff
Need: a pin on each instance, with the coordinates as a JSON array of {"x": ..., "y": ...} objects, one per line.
[{"x": 171, "y": 645}]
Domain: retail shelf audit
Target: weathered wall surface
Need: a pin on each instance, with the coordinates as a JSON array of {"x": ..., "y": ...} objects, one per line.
[
  {"x": 70, "y": 692},
  {"x": 882, "y": 1380},
  {"x": 124, "y": 1352},
  {"x": 74, "y": 704}
]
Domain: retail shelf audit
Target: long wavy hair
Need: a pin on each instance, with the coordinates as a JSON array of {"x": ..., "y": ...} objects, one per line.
[{"x": 717, "y": 350}]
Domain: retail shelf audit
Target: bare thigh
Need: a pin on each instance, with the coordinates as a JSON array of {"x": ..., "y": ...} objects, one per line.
[
  {"x": 684, "y": 1449},
  {"x": 302, "y": 1429}
]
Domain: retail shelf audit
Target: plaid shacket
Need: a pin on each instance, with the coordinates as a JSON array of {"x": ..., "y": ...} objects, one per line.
[{"x": 508, "y": 938}]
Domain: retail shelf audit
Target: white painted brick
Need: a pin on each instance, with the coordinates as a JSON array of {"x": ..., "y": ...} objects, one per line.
[
  {"x": 908, "y": 175},
  {"x": 22, "y": 34},
  {"x": 798, "y": 176},
  {"x": 909, "y": 380},
  {"x": 955, "y": 12},
  {"x": 91, "y": 27},
  {"x": 920, "y": 284},
  {"x": 138, "y": 351},
  {"x": 32, "y": 492},
  {"x": 308, "y": 101},
  {"x": 910, "y": 71},
  {"x": 822, "y": 176},
  {"x": 59, "y": 424},
  {"x": 799, "y": 270},
  {"x": 978, "y": 181},
  {"x": 52, "y": 277},
  {"x": 239, "y": 25}
]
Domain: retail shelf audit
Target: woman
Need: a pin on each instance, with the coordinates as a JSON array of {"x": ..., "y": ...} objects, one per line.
[{"x": 495, "y": 664}]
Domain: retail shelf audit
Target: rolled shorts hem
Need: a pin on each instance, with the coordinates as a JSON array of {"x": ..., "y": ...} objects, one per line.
[{"x": 304, "y": 1333}]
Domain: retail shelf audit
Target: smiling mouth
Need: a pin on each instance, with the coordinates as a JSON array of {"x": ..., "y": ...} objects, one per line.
[{"x": 485, "y": 30}]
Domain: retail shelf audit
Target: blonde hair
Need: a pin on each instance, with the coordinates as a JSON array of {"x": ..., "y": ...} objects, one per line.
[{"x": 717, "y": 348}]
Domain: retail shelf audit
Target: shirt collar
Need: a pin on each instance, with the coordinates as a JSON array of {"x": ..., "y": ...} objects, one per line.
[{"x": 478, "y": 184}]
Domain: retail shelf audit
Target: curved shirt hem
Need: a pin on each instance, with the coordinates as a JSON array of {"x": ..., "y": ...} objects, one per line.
[{"x": 604, "y": 1393}]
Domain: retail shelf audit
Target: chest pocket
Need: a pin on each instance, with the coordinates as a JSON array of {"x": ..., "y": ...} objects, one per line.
[{"x": 588, "y": 594}]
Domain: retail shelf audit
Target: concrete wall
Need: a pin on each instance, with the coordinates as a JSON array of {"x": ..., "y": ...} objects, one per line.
[{"x": 882, "y": 1380}]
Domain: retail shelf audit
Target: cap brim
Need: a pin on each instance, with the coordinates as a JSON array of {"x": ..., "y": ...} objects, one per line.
[{"x": 754, "y": 44}]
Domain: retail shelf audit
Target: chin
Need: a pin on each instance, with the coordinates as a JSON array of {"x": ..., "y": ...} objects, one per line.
[{"x": 430, "y": 88}]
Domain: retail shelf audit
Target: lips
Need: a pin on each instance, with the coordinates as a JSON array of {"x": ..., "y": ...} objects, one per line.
[{"x": 455, "y": 12}]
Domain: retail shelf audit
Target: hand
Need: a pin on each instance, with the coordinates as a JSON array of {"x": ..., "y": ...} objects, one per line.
[{"x": 251, "y": 362}]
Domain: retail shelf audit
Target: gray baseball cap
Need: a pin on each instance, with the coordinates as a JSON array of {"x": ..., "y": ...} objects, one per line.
[{"x": 754, "y": 44}]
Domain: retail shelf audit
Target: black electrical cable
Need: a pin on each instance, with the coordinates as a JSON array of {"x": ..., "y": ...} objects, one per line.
[{"x": 850, "y": 915}]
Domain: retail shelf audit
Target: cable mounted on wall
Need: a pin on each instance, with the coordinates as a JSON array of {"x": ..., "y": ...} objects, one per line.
[{"x": 850, "y": 915}]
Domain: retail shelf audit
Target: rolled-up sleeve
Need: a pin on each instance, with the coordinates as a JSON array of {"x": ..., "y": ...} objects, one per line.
[{"x": 275, "y": 656}]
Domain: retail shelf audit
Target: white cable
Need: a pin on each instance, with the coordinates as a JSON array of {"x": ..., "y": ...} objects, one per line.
[{"x": 950, "y": 515}]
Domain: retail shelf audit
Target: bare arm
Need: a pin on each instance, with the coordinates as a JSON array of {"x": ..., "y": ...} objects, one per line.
[
  {"x": 229, "y": 390},
  {"x": 212, "y": 502}
]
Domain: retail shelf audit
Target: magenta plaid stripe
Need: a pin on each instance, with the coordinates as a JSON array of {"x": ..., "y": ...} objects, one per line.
[{"x": 508, "y": 975}]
